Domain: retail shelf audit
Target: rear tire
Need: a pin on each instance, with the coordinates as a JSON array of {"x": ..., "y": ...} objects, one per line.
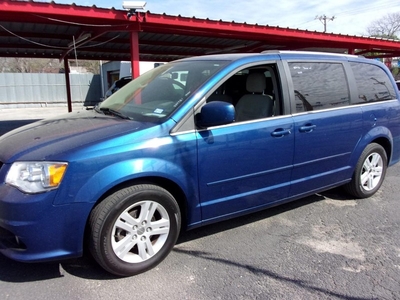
[
  {"x": 134, "y": 229},
  {"x": 369, "y": 172}
]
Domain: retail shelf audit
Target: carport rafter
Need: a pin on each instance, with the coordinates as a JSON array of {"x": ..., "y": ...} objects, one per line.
[
  {"x": 85, "y": 19},
  {"x": 47, "y": 30}
]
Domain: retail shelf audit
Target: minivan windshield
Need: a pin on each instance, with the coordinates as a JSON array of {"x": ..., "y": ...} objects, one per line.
[{"x": 154, "y": 95}]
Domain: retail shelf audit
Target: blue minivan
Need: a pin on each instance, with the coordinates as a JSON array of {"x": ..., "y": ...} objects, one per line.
[{"x": 241, "y": 133}]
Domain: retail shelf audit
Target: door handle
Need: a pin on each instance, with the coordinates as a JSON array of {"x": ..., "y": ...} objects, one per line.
[
  {"x": 280, "y": 132},
  {"x": 307, "y": 128}
]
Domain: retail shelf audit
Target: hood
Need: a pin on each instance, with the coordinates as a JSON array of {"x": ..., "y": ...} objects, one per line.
[{"x": 51, "y": 137}]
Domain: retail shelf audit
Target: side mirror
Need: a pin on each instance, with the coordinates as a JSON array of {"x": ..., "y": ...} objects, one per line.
[{"x": 215, "y": 113}]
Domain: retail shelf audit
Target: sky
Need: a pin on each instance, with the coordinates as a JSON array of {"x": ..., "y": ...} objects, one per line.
[{"x": 350, "y": 17}]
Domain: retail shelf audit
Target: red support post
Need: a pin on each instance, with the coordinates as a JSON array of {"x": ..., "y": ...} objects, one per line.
[{"x": 135, "y": 54}]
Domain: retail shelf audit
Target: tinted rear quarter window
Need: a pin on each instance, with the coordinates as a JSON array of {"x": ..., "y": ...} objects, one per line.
[
  {"x": 373, "y": 83},
  {"x": 319, "y": 85}
]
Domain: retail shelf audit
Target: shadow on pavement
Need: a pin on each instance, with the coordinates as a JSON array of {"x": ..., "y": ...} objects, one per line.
[
  {"x": 246, "y": 219},
  {"x": 84, "y": 267},
  {"x": 87, "y": 268},
  {"x": 13, "y": 271}
]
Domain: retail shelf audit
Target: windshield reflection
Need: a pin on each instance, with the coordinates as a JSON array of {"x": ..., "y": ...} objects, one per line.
[{"x": 154, "y": 95}]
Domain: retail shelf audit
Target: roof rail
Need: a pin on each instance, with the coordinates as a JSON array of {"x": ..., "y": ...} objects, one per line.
[
  {"x": 272, "y": 51},
  {"x": 311, "y": 52}
]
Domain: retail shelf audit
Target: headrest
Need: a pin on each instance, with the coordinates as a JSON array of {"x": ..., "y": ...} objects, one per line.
[{"x": 256, "y": 83}]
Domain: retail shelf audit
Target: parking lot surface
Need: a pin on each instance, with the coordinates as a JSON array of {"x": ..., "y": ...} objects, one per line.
[{"x": 327, "y": 246}]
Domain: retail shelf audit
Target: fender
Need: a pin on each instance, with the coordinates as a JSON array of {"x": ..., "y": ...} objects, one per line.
[
  {"x": 120, "y": 172},
  {"x": 367, "y": 138}
]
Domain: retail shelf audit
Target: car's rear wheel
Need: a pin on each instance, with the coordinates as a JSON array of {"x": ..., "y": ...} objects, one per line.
[
  {"x": 134, "y": 229},
  {"x": 369, "y": 172}
]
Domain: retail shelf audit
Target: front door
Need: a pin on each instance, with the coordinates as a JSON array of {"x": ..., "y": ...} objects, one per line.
[{"x": 244, "y": 166}]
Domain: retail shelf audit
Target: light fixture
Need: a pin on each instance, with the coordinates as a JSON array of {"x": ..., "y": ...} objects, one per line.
[{"x": 132, "y": 6}]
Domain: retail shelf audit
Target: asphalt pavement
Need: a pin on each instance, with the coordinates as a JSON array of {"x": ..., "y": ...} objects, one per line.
[
  {"x": 326, "y": 246},
  {"x": 323, "y": 247}
]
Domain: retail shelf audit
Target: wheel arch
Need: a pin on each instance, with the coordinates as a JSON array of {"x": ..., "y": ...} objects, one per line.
[
  {"x": 167, "y": 184},
  {"x": 380, "y": 135},
  {"x": 386, "y": 144}
]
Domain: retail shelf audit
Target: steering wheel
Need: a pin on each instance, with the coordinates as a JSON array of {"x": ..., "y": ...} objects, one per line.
[{"x": 178, "y": 83}]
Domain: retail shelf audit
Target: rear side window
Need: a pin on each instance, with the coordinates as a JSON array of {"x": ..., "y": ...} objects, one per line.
[
  {"x": 372, "y": 82},
  {"x": 319, "y": 85}
]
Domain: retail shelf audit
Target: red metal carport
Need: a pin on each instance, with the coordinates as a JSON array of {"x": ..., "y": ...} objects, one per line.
[{"x": 50, "y": 30}]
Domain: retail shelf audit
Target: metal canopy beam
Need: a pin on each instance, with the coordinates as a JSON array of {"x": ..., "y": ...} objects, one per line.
[{"x": 46, "y": 30}]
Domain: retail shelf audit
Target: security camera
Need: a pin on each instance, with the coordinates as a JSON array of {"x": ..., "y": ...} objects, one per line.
[{"x": 133, "y": 5}]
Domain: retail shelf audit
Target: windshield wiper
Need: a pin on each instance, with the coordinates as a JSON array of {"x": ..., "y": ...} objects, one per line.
[{"x": 112, "y": 112}]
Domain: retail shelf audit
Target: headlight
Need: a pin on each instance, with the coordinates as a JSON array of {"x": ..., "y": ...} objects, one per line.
[{"x": 36, "y": 177}]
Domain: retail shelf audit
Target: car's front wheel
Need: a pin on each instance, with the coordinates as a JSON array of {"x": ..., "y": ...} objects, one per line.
[
  {"x": 134, "y": 229},
  {"x": 369, "y": 172}
]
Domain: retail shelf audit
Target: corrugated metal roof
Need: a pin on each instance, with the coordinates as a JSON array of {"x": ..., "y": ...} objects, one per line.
[{"x": 38, "y": 29}]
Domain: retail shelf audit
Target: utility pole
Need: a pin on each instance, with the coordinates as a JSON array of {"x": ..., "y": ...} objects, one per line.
[{"x": 323, "y": 20}]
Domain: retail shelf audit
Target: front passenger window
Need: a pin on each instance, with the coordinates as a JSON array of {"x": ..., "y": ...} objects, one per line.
[
  {"x": 255, "y": 104},
  {"x": 253, "y": 92}
]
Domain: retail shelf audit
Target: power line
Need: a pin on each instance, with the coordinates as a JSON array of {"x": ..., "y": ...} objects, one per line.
[
  {"x": 368, "y": 7},
  {"x": 323, "y": 20},
  {"x": 353, "y": 12}
]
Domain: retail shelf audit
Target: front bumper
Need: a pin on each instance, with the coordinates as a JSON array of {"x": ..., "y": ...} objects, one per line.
[{"x": 32, "y": 229}]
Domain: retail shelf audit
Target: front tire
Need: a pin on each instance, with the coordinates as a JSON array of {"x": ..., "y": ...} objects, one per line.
[
  {"x": 134, "y": 229},
  {"x": 369, "y": 172}
]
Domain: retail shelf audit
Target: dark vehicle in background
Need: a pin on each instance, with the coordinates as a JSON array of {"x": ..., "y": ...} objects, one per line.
[
  {"x": 117, "y": 85},
  {"x": 190, "y": 143}
]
